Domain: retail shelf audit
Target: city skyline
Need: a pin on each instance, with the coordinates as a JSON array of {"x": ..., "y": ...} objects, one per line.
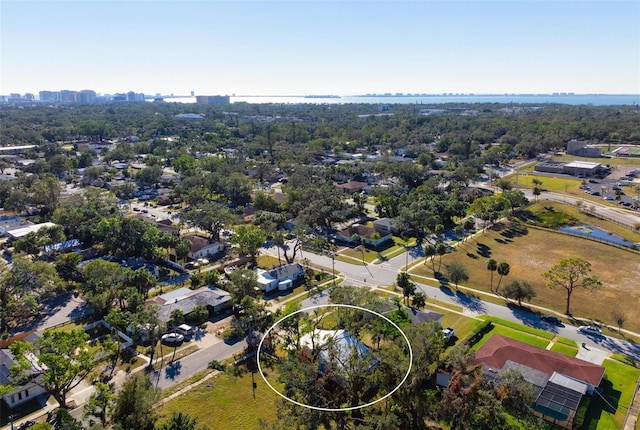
[{"x": 332, "y": 47}]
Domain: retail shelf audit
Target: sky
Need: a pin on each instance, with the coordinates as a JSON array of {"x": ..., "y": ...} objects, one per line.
[{"x": 301, "y": 47}]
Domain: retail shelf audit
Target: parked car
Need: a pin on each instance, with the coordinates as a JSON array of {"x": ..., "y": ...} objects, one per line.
[
  {"x": 448, "y": 333},
  {"x": 186, "y": 330},
  {"x": 590, "y": 329},
  {"x": 551, "y": 319},
  {"x": 172, "y": 338}
]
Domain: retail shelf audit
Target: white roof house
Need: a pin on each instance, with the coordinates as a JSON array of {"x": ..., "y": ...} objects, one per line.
[
  {"x": 17, "y": 233},
  {"x": 336, "y": 345},
  {"x": 281, "y": 277}
]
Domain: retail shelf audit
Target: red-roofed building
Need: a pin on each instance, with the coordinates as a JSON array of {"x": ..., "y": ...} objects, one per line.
[
  {"x": 559, "y": 380},
  {"x": 500, "y": 349}
]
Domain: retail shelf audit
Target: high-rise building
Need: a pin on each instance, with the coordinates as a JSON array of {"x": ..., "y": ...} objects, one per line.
[
  {"x": 87, "y": 97},
  {"x": 135, "y": 97},
  {"x": 67, "y": 96},
  {"x": 49, "y": 96},
  {"x": 212, "y": 100}
]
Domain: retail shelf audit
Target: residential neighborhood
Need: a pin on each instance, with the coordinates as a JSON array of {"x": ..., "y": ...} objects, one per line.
[{"x": 221, "y": 247}]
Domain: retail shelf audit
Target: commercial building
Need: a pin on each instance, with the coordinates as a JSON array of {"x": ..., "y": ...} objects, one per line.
[
  {"x": 581, "y": 149},
  {"x": 573, "y": 168}
]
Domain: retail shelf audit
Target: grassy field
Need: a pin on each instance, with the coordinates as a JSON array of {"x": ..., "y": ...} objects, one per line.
[
  {"x": 530, "y": 252},
  {"x": 549, "y": 183},
  {"x": 226, "y": 402},
  {"x": 619, "y": 383}
]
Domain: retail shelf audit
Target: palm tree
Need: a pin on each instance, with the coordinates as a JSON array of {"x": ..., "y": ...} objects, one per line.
[
  {"x": 408, "y": 287},
  {"x": 429, "y": 254},
  {"x": 419, "y": 300},
  {"x": 503, "y": 270},
  {"x": 536, "y": 192},
  {"x": 492, "y": 266},
  {"x": 441, "y": 249},
  {"x": 536, "y": 187}
]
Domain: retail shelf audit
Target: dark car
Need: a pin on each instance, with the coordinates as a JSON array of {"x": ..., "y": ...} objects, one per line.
[
  {"x": 590, "y": 329},
  {"x": 551, "y": 319}
]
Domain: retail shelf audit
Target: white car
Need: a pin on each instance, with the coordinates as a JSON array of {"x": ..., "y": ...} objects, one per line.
[
  {"x": 172, "y": 338},
  {"x": 590, "y": 329},
  {"x": 448, "y": 333}
]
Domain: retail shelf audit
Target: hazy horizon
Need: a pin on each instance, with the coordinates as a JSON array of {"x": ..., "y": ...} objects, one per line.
[{"x": 344, "y": 48}]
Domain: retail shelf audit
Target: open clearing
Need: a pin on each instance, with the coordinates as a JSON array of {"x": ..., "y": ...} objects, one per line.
[
  {"x": 530, "y": 252},
  {"x": 226, "y": 402}
]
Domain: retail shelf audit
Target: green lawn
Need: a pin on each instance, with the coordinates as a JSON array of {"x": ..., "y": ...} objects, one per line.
[
  {"x": 523, "y": 328},
  {"x": 513, "y": 334},
  {"x": 267, "y": 262},
  {"x": 356, "y": 254},
  {"x": 619, "y": 383},
  {"x": 566, "y": 341},
  {"x": 226, "y": 402},
  {"x": 398, "y": 247},
  {"x": 68, "y": 326},
  {"x": 564, "y": 349},
  {"x": 549, "y": 183}
]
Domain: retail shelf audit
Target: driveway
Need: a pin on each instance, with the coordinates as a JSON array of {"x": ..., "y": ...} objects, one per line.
[{"x": 57, "y": 310}]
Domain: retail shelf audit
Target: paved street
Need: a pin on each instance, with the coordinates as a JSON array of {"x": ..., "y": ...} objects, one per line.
[
  {"x": 384, "y": 274},
  {"x": 372, "y": 275},
  {"x": 179, "y": 370}
]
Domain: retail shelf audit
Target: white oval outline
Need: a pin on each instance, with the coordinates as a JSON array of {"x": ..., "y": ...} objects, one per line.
[{"x": 352, "y": 408}]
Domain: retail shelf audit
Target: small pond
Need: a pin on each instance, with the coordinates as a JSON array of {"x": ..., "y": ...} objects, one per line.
[{"x": 595, "y": 233}]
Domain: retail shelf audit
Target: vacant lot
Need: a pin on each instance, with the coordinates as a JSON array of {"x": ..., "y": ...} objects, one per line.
[
  {"x": 226, "y": 402},
  {"x": 549, "y": 183},
  {"x": 530, "y": 252}
]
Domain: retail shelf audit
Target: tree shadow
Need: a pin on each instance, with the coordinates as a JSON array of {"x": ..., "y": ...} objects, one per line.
[
  {"x": 483, "y": 250},
  {"x": 446, "y": 290},
  {"x": 320, "y": 295},
  {"x": 515, "y": 230},
  {"x": 532, "y": 319},
  {"x": 472, "y": 256},
  {"x": 173, "y": 370},
  {"x": 596, "y": 405},
  {"x": 472, "y": 303},
  {"x": 199, "y": 334}
]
